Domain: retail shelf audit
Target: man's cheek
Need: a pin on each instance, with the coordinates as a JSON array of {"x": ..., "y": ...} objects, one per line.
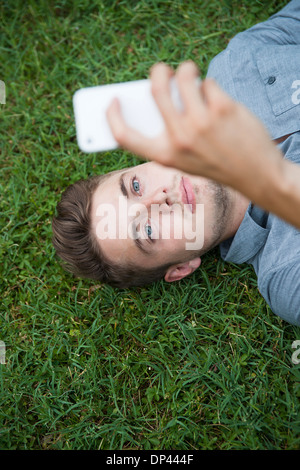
[{"x": 194, "y": 229}]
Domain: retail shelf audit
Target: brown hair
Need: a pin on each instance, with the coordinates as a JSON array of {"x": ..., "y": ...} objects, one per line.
[{"x": 78, "y": 247}]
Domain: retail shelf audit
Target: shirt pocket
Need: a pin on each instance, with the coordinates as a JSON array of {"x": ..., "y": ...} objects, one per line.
[{"x": 279, "y": 69}]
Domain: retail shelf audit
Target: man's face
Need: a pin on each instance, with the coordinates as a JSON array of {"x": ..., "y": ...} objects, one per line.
[{"x": 149, "y": 214}]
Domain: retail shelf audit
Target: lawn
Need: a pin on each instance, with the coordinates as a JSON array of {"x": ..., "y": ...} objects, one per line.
[{"x": 199, "y": 364}]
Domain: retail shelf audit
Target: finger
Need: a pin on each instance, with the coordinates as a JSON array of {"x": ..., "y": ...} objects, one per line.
[
  {"x": 189, "y": 89},
  {"x": 216, "y": 99},
  {"x": 127, "y": 137},
  {"x": 161, "y": 75}
]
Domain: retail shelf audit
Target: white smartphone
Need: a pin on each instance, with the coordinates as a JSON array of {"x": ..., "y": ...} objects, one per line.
[{"x": 137, "y": 105}]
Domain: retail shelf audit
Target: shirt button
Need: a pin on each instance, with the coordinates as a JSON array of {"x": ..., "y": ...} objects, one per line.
[{"x": 271, "y": 80}]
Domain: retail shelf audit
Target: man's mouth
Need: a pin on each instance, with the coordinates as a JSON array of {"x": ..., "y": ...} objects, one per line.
[{"x": 188, "y": 196}]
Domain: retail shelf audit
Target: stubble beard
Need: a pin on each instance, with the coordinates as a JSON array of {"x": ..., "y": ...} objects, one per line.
[{"x": 222, "y": 207}]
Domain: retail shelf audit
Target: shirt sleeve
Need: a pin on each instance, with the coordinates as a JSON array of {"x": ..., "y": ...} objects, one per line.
[
  {"x": 282, "y": 292},
  {"x": 282, "y": 28}
]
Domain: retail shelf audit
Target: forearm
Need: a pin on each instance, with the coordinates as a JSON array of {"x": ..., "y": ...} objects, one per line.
[
  {"x": 275, "y": 187},
  {"x": 286, "y": 193}
]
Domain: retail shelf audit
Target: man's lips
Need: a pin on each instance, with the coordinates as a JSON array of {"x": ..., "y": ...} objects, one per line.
[{"x": 188, "y": 196}]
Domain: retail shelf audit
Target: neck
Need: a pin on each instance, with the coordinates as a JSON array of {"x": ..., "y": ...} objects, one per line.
[{"x": 239, "y": 205}]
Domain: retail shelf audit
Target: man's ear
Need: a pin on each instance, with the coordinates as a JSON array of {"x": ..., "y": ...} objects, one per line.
[{"x": 179, "y": 271}]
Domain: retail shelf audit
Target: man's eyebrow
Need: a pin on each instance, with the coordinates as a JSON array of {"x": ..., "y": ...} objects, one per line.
[
  {"x": 122, "y": 186},
  {"x": 141, "y": 247}
]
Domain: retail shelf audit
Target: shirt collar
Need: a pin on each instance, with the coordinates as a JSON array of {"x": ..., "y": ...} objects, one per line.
[{"x": 249, "y": 239}]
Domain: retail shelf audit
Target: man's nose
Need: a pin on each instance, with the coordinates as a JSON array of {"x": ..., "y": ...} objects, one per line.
[{"x": 159, "y": 196}]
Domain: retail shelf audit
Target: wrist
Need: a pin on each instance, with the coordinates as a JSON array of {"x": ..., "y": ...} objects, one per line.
[
  {"x": 262, "y": 181},
  {"x": 281, "y": 193}
]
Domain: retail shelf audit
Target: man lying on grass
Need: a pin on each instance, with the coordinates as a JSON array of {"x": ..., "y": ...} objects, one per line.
[{"x": 134, "y": 226}]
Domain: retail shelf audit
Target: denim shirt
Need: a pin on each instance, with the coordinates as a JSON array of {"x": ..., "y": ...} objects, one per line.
[{"x": 261, "y": 69}]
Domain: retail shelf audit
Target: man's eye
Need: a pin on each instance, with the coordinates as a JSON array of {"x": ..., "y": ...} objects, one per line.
[
  {"x": 148, "y": 230},
  {"x": 136, "y": 186}
]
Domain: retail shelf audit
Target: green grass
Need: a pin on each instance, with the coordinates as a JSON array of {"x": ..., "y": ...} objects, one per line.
[{"x": 200, "y": 364}]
